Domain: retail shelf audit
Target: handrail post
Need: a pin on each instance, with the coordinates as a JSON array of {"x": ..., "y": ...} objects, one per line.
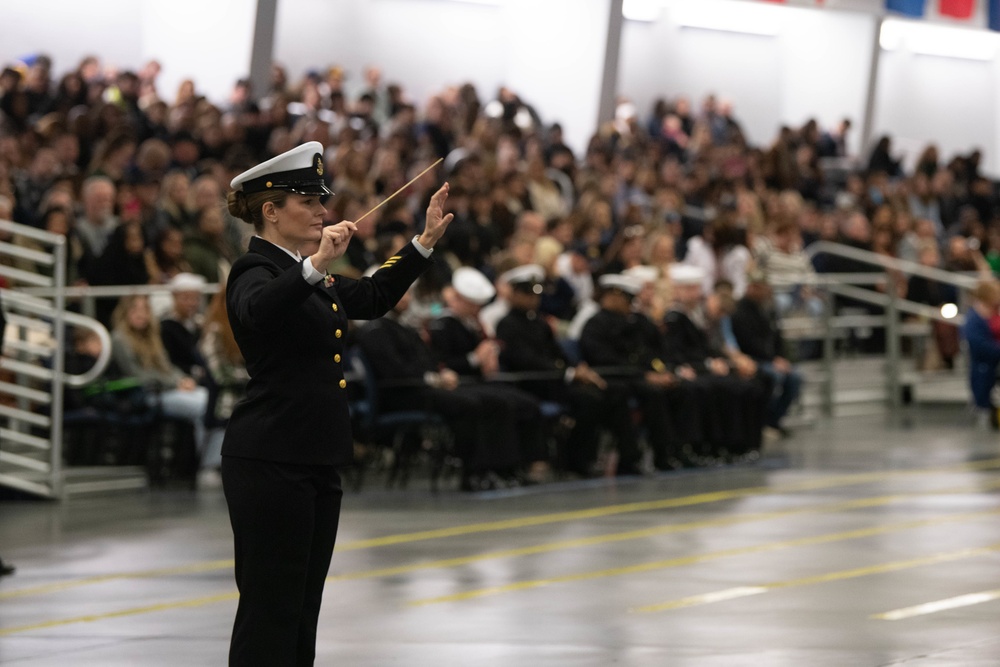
[
  {"x": 56, "y": 431},
  {"x": 828, "y": 354},
  {"x": 892, "y": 344}
]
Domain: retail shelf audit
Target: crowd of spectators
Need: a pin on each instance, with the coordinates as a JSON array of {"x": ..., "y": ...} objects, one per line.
[{"x": 135, "y": 176}]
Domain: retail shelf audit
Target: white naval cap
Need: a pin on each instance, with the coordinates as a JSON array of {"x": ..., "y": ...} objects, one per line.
[
  {"x": 526, "y": 274},
  {"x": 299, "y": 170},
  {"x": 473, "y": 285},
  {"x": 628, "y": 284},
  {"x": 187, "y": 282},
  {"x": 685, "y": 274},
  {"x": 642, "y": 273}
]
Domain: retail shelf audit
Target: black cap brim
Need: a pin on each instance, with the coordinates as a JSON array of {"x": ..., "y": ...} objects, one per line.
[{"x": 309, "y": 189}]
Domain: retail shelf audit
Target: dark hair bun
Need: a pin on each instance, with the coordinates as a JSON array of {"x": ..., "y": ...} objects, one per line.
[{"x": 238, "y": 206}]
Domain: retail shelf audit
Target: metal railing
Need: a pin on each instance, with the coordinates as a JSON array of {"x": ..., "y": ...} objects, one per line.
[
  {"x": 857, "y": 286},
  {"x": 33, "y": 353}
]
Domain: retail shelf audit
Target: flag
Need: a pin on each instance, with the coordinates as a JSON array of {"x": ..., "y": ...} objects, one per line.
[
  {"x": 959, "y": 9},
  {"x": 993, "y": 14},
  {"x": 907, "y": 7}
]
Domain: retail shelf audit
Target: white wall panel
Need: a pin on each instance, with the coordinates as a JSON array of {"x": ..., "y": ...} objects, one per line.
[
  {"x": 68, "y": 30},
  {"x": 948, "y": 101}
]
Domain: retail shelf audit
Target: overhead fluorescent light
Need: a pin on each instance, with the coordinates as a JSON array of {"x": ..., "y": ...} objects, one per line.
[
  {"x": 938, "y": 40},
  {"x": 741, "y": 17},
  {"x": 647, "y": 11}
]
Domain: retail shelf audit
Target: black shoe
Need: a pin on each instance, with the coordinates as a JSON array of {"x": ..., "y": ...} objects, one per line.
[{"x": 6, "y": 568}]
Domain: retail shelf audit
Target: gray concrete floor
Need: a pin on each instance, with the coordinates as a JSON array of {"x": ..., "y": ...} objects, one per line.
[{"x": 791, "y": 561}]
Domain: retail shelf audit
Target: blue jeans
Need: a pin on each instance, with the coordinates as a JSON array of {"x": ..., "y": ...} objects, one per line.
[{"x": 787, "y": 387}]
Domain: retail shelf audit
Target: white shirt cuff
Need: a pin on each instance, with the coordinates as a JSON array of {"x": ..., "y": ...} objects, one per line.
[
  {"x": 426, "y": 252},
  {"x": 309, "y": 272}
]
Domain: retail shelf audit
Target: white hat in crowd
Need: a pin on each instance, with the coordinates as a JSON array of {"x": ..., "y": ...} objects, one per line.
[
  {"x": 642, "y": 273},
  {"x": 628, "y": 284},
  {"x": 527, "y": 275},
  {"x": 473, "y": 285},
  {"x": 685, "y": 274},
  {"x": 299, "y": 170},
  {"x": 187, "y": 282}
]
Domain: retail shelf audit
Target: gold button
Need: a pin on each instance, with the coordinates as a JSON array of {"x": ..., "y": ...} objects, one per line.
[
  {"x": 269, "y": 184},
  {"x": 336, "y": 358},
  {"x": 343, "y": 384},
  {"x": 338, "y": 333},
  {"x": 335, "y": 309}
]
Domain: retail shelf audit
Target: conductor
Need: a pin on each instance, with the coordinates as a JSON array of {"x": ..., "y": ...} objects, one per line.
[{"x": 286, "y": 439}]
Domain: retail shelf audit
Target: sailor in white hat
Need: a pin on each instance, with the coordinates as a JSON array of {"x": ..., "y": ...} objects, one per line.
[
  {"x": 180, "y": 328},
  {"x": 285, "y": 441},
  {"x": 528, "y": 277},
  {"x": 686, "y": 274},
  {"x": 473, "y": 286},
  {"x": 628, "y": 285}
]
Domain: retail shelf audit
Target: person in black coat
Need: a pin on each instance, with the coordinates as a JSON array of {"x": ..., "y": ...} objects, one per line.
[
  {"x": 285, "y": 440},
  {"x": 528, "y": 345},
  {"x": 180, "y": 329},
  {"x": 627, "y": 349},
  {"x": 400, "y": 358},
  {"x": 732, "y": 421},
  {"x": 123, "y": 262},
  {"x": 515, "y": 427},
  {"x": 756, "y": 328}
]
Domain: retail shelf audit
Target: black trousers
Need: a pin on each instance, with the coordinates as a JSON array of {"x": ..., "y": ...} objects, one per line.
[{"x": 284, "y": 519}]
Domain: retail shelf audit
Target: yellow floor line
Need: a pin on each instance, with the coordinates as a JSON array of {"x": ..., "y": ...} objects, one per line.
[
  {"x": 883, "y": 568},
  {"x": 938, "y": 606},
  {"x": 194, "y": 568},
  {"x": 845, "y": 505},
  {"x": 646, "y": 533},
  {"x": 668, "y": 503},
  {"x": 134, "y": 611},
  {"x": 544, "y": 519},
  {"x": 702, "y": 558}
]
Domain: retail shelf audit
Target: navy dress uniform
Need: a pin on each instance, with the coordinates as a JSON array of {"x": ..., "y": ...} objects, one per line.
[
  {"x": 512, "y": 433},
  {"x": 529, "y": 345},
  {"x": 632, "y": 345},
  {"x": 733, "y": 418},
  {"x": 286, "y": 439}
]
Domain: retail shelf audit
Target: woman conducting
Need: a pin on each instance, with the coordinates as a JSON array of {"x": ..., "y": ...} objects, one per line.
[{"x": 286, "y": 439}]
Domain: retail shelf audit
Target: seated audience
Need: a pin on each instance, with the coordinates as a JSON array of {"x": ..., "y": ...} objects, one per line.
[
  {"x": 628, "y": 350},
  {"x": 137, "y": 352},
  {"x": 227, "y": 375},
  {"x": 732, "y": 421},
  {"x": 528, "y": 345},
  {"x": 411, "y": 379},
  {"x": 460, "y": 344},
  {"x": 758, "y": 335}
]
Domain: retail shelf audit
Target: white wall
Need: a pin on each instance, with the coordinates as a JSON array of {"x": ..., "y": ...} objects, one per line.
[
  {"x": 428, "y": 44},
  {"x": 422, "y": 44},
  {"x": 814, "y": 66},
  {"x": 208, "y": 41},
  {"x": 68, "y": 31},
  {"x": 949, "y": 101}
]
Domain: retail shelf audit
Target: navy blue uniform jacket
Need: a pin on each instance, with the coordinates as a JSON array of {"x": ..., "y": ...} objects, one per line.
[{"x": 292, "y": 336}]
